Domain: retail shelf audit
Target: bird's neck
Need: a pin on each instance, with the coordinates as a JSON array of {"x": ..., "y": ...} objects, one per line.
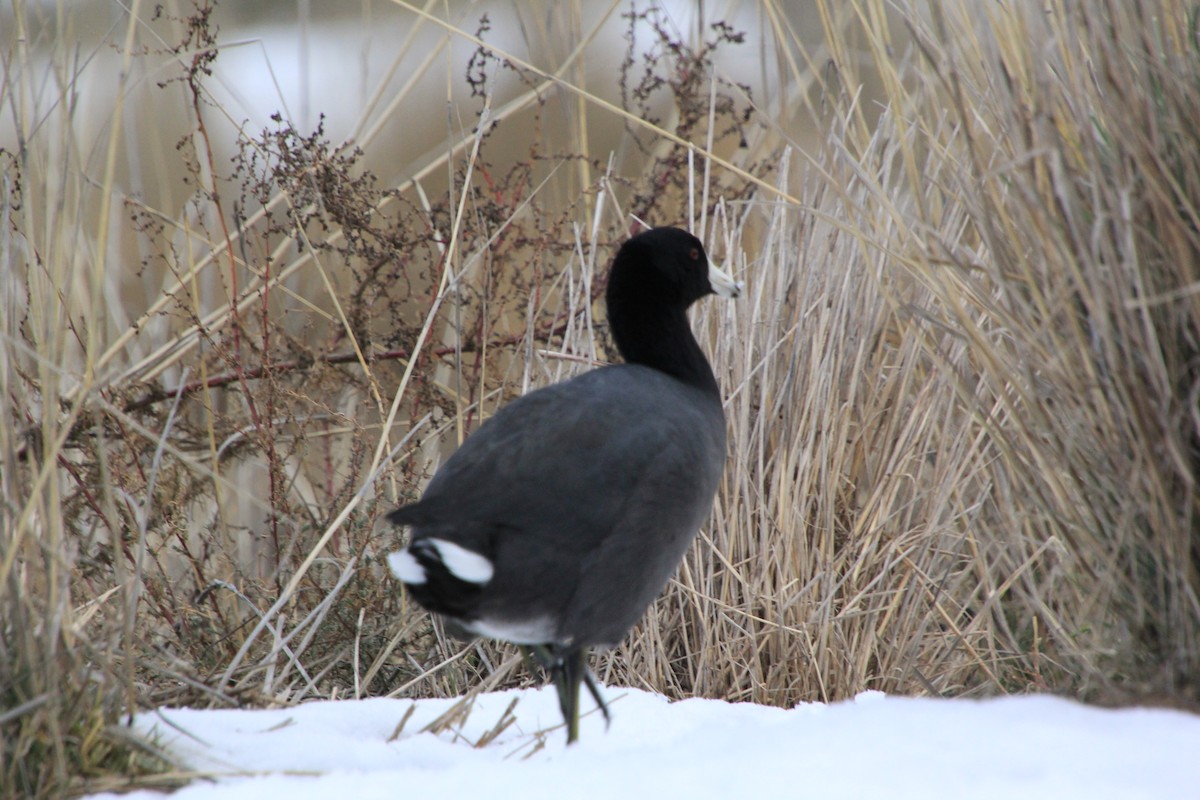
[{"x": 663, "y": 342}]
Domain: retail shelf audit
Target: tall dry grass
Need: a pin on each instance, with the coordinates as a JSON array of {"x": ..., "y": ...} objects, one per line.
[
  {"x": 961, "y": 388},
  {"x": 965, "y": 384}
]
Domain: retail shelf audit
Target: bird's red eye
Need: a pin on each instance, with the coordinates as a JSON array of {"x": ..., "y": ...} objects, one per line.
[{"x": 694, "y": 254}]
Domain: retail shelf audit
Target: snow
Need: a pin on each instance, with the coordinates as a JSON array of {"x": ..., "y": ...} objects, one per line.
[{"x": 875, "y": 746}]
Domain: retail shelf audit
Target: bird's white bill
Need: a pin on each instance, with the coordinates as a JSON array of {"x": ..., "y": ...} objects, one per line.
[{"x": 721, "y": 283}]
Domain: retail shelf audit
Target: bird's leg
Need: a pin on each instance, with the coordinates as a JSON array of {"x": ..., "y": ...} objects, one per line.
[
  {"x": 539, "y": 653},
  {"x": 546, "y": 655},
  {"x": 553, "y": 662},
  {"x": 568, "y": 671},
  {"x": 590, "y": 681}
]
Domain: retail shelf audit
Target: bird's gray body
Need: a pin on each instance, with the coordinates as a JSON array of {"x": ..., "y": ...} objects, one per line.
[
  {"x": 558, "y": 522},
  {"x": 646, "y": 449}
]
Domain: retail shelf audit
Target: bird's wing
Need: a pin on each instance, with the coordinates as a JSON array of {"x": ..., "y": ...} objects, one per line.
[{"x": 567, "y": 455}]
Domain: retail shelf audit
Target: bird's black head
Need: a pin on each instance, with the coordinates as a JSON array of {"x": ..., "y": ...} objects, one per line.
[
  {"x": 654, "y": 278},
  {"x": 665, "y": 267}
]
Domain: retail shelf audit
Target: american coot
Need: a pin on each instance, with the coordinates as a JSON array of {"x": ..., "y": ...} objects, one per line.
[{"x": 557, "y": 523}]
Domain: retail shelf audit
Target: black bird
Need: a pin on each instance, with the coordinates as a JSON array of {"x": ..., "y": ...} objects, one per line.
[{"x": 560, "y": 520}]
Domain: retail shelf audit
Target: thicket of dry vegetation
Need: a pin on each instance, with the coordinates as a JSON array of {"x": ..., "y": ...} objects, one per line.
[{"x": 963, "y": 385}]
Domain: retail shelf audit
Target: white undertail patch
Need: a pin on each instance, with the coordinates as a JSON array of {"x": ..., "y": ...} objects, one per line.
[
  {"x": 406, "y": 567},
  {"x": 462, "y": 563}
]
